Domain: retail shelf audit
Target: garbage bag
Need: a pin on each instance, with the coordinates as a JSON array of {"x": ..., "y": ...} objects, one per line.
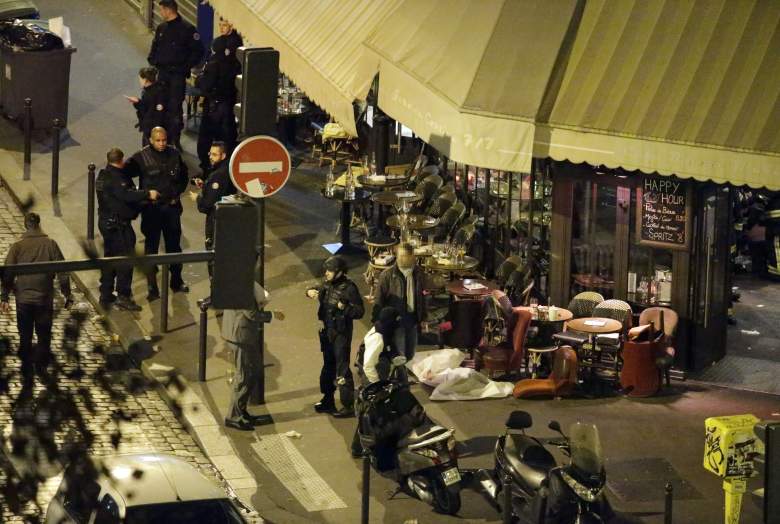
[{"x": 28, "y": 35}]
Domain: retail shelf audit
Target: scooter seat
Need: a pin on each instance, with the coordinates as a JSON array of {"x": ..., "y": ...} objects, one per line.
[
  {"x": 421, "y": 434},
  {"x": 530, "y": 460}
]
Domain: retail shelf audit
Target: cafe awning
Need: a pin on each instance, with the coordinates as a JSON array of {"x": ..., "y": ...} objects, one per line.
[
  {"x": 690, "y": 88},
  {"x": 468, "y": 77},
  {"x": 319, "y": 43}
]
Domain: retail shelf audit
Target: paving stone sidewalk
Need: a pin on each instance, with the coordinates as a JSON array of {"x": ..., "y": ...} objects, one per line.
[{"x": 154, "y": 426}]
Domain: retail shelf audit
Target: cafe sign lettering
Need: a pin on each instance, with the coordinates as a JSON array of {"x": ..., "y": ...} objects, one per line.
[{"x": 663, "y": 212}]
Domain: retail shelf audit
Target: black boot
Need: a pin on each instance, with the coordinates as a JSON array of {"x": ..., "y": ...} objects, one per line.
[
  {"x": 326, "y": 405},
  {"x": 346, "y": 411}
]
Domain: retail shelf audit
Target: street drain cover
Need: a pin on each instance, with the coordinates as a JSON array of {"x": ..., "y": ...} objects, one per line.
[{"x": 643, "y": 480}]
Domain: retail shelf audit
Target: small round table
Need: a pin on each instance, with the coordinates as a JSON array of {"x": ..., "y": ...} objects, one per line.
[
  {"x": 414, "y": 222},
  {"x": 595, "y": 325},
  {"x": 458, "y": 287},
  {"x": 382, "y": 183},
  {"x": 450, "y": 266},
  {"x": 346, "y": 208},
  {"x": 393, "y": 198}
]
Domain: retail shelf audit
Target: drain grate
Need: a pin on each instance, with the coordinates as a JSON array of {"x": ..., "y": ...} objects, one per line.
[{"x": 643, "y": 480}]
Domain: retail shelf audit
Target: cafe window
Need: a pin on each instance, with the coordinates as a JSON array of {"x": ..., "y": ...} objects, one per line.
[
  {"x": 649, "y": 268},
  {"x": 593, "y": 241}
]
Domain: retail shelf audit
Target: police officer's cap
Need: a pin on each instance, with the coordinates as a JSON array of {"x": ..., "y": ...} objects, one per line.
[{"x": 335, "y": 263}]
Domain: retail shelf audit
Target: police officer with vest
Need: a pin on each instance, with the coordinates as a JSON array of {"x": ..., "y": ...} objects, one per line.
[
  {"x": 175, "y": 50},
  {"x": 218, "y": 85},
  {"x": 160, "y": 167},
  {"x": 340, "y": 304},
  {"x": 216, "y": 186},
  {"x": 118, "y": 204}
]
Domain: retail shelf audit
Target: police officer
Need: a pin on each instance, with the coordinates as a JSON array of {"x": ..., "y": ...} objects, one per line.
[
  {"x": 118, "y": 203},
  {"x": 160, "y": 167},
  {"x": 216, "y": 186},
  {"x": 231, "y": 37},
  {"x": 151, "y": 107},
  {"x": 340, "y": 304},
  {"x": 175, "y": 50},
  {"x": 218, "y": 85}
]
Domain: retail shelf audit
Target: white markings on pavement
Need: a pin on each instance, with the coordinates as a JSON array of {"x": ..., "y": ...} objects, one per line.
[{"x": 296, "y": 474}]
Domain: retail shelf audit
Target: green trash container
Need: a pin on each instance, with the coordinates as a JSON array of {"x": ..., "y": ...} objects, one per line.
[{"x": 42, "y": 76}]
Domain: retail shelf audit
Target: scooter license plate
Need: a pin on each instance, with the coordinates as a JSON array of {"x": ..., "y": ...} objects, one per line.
[{"x": 451, "y": 476}]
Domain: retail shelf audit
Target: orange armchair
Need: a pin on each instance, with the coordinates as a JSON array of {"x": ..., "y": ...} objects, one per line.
[
  {"x": 664, "y": 319},
  {"x": 561, "y": 381}
]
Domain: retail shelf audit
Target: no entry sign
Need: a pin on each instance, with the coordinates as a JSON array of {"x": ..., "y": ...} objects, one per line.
[{"x": 260, "y": 166}]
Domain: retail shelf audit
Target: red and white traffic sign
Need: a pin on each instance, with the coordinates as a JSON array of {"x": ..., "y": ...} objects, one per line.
[{"x": 260, "y": 166}]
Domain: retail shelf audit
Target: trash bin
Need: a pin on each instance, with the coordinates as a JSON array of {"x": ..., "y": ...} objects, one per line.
[
  {"x": 11, "y": 9},
  {"x": 42, "y": 76}
]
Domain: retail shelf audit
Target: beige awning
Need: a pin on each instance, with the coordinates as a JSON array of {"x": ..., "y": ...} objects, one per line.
[
  {"x": 468, "y": 77},
  {"x": 319, "y": 43},
  {"x": 690, "y": 88}
]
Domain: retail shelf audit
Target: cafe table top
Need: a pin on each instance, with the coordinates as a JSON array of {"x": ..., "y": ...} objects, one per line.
[
  {"x": 438, "y": 264},
  {"x": 392, "y": 198},
  {"x": 414, "y": 222},
  {"x": 563, "y": 315},
  {"x": 595, "y": 325},
  {"x": 458, "y": 287},
  {"x": 338, "y": 194},
  {"x": 383, "y": 181}
]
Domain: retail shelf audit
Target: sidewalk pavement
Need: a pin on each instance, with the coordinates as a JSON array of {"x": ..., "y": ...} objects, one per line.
[{"x": 312, "y": 478}]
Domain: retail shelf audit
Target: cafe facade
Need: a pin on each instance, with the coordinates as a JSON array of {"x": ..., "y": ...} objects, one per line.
[{"x": 611, "y": 135}]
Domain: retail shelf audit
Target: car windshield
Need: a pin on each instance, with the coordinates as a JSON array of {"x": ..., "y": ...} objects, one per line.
[
  {"x": 218, "y": 511},
  {"x": 586, "y": 452}
]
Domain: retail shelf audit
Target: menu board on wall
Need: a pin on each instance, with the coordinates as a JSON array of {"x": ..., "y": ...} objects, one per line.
[{"x": 663, "y": 212}]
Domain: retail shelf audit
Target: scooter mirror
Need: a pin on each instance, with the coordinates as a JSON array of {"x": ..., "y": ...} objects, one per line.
[{"x": 555, "y": 426}]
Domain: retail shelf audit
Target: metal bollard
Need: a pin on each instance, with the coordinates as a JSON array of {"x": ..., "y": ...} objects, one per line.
[
  {"x": 668, "y": 497},
  {"x": 203, "y": 333},
  {"x": 55, "y": 156},
  {"x": 366, "y": 489},
  {"x": 507, "y": 487},
  {"x": 91, "y": 202},
  {"x": 28, "y": 130},
  {"x": 164, "y": 298}
]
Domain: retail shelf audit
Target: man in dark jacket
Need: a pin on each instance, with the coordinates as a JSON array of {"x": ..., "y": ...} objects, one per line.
[
  {"x": 160, "y": 167},
  {"x": 340, "y": 304},
  {"x": 34, "y": 296},
  {"x": 118, "y": 204},
  {"x": 218, "y": 85},
  {"x": 216, "y": 186},
  {"x": 151, "y": 107},
  {"x": 175, "y": 50},
  {"x": 401, "y": 287}
]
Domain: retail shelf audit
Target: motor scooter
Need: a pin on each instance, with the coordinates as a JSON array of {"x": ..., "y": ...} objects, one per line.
[
  {"x": 542, "y": 491},
  {"x": 401, "y": 439}
]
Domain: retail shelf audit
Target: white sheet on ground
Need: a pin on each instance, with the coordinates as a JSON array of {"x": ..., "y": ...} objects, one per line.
[{"x": 439, "y": 368}]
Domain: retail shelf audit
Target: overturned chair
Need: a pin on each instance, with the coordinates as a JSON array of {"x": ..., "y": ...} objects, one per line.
[{"x": 561, "y": 381}]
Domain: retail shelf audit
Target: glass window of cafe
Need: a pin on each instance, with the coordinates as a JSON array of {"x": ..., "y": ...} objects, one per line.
[{"x": 649, "y": 268}]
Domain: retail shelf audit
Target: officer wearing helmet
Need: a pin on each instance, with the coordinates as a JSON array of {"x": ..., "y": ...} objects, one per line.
[{"x": 340, "y": 304}]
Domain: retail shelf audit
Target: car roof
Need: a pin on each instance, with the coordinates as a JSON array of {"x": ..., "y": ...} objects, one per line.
[{"x": 164, "y": 478}]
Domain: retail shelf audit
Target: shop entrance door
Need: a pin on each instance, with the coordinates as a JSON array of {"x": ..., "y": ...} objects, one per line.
[{"x": 709, "y": 274}]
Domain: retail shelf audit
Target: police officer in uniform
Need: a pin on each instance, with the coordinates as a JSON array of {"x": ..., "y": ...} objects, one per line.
[
  {"x": 118, "y": 203},
  {"x": 231, "y": 37},
  {"x": 216, "y": 186},
  {"x": 175, "y": 50},
  {"x": 340, "y": 304},
  {"x": 160, "y": 167},
  {"x": 218, "y": 85},
  {"x": 151, "y": 107}
]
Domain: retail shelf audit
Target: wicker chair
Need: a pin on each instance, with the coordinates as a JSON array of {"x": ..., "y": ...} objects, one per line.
[
  {"x": 582, "y": 304},
  {"x": 441, "y": 204},
  {"x": 608, "y": 347},
  {"x": 437, "y": 180}
]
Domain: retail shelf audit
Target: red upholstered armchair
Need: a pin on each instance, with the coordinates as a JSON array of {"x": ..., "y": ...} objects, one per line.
[{"x": 510, "y": 354}]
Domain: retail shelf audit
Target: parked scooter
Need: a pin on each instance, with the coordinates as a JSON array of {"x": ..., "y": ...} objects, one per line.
[
  {"x": 541, "y": 490},
  {"x": 400, "y": 438}
]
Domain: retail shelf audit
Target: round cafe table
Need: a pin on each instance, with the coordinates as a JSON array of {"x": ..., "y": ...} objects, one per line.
[
  {"x": 415, "y": 222},
  {"x": 450, "y": 266},
  {"x": 542, "y": 342},
  {"x": 346, "y": 208},
  {"x": 458, "y": 287},
  {"x": 595, "y": 325},
  {"x": 393, "y": 198},
  {"x": 382, "y": 182}
]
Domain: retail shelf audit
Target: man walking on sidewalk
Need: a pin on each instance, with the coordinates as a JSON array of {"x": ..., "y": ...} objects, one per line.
[
  {"x": 175, "y": 50},
  {"x": 118, "y": 204},
  {"x": 34, "y": 296},
  {"x": 160, "y": 167}
]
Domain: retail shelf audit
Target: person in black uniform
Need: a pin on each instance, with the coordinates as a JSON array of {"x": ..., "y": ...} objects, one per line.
[
  {"x": 160, "y": 167},
  {"x": 231, "y": 37},
  {"x": 216, "y": 186},
  {"x": 118, "y": 203},
  {"x": 340, "y": 304},
  {"x": 175, "y": 50},
  {"x": 151, "y": 107},
  {"x": 218, "y": 85}
]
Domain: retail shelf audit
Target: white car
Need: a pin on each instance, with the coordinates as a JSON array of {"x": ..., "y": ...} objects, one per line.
[{"x": 140, "y": 489}]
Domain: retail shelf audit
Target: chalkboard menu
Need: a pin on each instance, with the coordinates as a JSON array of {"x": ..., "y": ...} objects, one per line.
[{"x": 663, "y": 212}]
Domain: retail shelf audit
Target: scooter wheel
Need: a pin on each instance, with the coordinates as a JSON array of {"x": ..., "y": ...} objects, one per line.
[{"x": 446, "y": 499}]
